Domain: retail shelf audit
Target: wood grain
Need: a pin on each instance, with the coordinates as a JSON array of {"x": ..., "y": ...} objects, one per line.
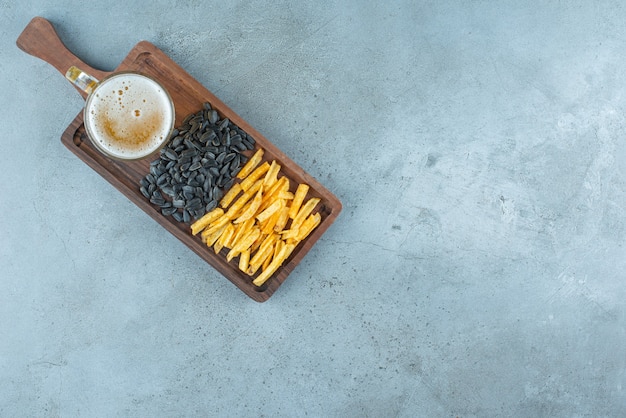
[
  {"x": 40, "y": 39},
  {"x": 188, "y": 96}
]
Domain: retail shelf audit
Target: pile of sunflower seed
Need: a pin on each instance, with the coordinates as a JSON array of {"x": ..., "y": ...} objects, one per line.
[{"x": 197, "y": 165}]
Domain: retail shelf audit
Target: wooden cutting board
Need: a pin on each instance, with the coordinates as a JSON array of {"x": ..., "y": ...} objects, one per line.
[{"x": 40, "y": 39}]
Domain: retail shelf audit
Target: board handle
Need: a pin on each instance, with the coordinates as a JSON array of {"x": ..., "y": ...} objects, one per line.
[{"x": 40, "y": 39}]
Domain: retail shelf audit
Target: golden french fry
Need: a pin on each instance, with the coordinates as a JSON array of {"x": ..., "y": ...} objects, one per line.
[
  {"x": 244, "y": 242},
  {"x": 217, "y": 247},
  {"x": 271, "y": 175},
  {"x": 244, "y": 209},
  {"x": 232, "y": 254},
  {"x": 277, "y": 247},
  {"x": 225, "y": 239},
  {"x": 230, "y": 195},
  {"x": 269, "y": 241},
  {"x": 247, "y": 182},
  {"x": 308, "y": 226},
  {"x": 251, "y": 209},
  {"x": 283, "y": 218},
  {"x": 251, "y": 164},
  {"x": 241, "y": 230},
  {"x": 268, "y": 259},
  {"x": 289, "y": 248},
  {"x": 267, "y": 227},
  {"x": 298, "y": 198},
  {"x": 233, "y": 211},
  {"x": 257, "y": 244},
  {"x": 270, "y": 210},
  {"x": 282, "y": 255},
  {"x": 286, "y": 195},
  {"x": 259, "y": 257},
  {"x": 244, "y": 260},
  {"x": 280, "y": 184},
  {"x": 272, "y": 194},
  {"x": 252, "y": 269},
  {"x": 205, "y": 220},
  {"x": 266, "y": 243},
  {"x": 210, "y": 238},
  {"x": 290, "y": 233},
  {"x": 247, "y": 241},
  {"x": 216, "y": 225},
  {"x": 304, "y": 211}
]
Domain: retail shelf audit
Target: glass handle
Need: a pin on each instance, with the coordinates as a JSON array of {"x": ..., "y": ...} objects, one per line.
[{"x": 81, "y": 79}]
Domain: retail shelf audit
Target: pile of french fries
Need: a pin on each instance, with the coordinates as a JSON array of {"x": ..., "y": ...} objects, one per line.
[{"x": 259, "y": 220}]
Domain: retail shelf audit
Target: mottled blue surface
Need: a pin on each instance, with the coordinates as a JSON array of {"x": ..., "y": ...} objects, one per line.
[{"x": 478, "y": 266}]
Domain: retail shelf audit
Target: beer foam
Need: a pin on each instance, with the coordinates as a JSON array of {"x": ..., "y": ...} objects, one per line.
[{"x": 129, "y": 115}]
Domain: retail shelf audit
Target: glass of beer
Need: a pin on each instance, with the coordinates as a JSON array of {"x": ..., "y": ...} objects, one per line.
[{"x": 127, "y": 115}]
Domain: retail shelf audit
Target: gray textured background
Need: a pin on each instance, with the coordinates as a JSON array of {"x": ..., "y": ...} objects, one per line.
[{"x": 478, "y": 267}]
